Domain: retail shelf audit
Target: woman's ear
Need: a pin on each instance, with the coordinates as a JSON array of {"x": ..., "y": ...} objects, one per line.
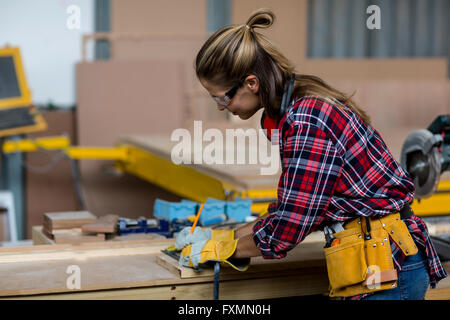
[{"x": 252, "y": 82}]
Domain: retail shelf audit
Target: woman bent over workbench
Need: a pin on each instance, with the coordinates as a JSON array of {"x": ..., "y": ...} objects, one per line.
[{"x": 337, "y": 174}]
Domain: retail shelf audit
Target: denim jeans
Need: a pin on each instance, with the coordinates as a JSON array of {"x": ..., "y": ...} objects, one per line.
[{"x": 412, "y": 283}]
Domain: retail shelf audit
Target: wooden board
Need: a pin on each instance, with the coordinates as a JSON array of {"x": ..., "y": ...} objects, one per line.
[
  {"x": 43, "y": 269},
  {"x": 76, "y": 236},
  {"x": 305, "y": 255},
  {"x": 104, "y": 224},
  {"x": 39, "y": 237},
  {"x": 259, "y": 288},
  {"x": 67, "y": 220},
  {"x": 113, "y": 265},
  {"x": 128, "y": 270}
]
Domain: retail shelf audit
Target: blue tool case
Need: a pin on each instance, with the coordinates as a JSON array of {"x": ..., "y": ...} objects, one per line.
[{"x": 174, "y": 210}]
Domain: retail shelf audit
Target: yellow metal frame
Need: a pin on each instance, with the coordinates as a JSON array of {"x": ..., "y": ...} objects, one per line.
[
  {"x": 30, "y": 145},
  {"x": 63, "y": 143},
  {"x": 262, "y": 194},
  {"x": 118, "y": 153},
  {"x": 179, "y": 179},
  {"x": 437, "y": 204},
  {"x": 23, "y": 100}
]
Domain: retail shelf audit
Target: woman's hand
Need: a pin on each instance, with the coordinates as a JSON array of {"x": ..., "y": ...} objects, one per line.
[{"x": 185, "y": 237}]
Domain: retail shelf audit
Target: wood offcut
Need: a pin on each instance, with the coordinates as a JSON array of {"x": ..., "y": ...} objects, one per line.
[{"x": 67, "y": 220}]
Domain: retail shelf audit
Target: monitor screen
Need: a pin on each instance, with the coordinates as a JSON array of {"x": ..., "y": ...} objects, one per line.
[{"x": 9, "y": 86}]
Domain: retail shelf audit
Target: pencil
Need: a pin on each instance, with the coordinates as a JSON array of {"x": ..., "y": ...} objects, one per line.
[{"x": 196, "y": 218}]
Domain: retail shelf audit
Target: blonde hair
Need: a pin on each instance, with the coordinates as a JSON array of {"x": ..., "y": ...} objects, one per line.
[{"x": 235, "y": 51}]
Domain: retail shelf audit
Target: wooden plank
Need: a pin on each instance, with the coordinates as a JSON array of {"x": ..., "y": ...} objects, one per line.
[
  {"x": 275, "y": 287},
  {"x": 162, "y": 243},
  {"x": 104, "y": 266},
  {"x": 67, "y": 220},
  {"x": 76, "y": 236},
  {"x": 40, "y": 238},
  {"x": 137, "y": 276},
  {"x": 305, "y": 255},
  {"x": 79, "y": 253},
  {"x": 104, "y": 224},
  {"x": 43, "y": 269}
]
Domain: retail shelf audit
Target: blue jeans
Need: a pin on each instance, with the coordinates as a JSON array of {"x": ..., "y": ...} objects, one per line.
[{"x": 412, "y": 283}]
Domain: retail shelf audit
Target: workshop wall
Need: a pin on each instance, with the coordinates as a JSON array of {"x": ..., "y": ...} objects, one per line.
[
  {"x": 49, "y": 182},
  {"x": 146, "y": 87},
  {"x": 117, "y": 98},
  {"x": 149, "y": 33}
]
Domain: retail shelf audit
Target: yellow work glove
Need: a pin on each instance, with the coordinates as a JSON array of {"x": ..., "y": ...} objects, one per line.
[
  {"x": 185, "y": 237},
  {"x": 212, "y": 250},
  {"x": 222, "y": 234}
]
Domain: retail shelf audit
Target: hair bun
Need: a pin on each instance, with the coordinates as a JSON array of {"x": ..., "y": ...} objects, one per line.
[{"x": 261, "y": 18}]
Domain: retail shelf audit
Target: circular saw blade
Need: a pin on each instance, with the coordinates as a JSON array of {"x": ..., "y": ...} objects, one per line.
[{"x": 421, "y": 158}]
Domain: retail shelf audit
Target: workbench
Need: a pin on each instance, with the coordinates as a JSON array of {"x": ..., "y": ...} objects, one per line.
[
  {"x": 129, "y": 270},
  {"x": 137, "y": 269}
]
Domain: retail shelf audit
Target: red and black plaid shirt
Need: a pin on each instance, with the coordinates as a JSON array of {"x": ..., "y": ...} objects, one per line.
[{"x": 334, "y": 168}]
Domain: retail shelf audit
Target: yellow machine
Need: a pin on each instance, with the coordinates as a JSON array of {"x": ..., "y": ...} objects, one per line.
[
  {"x": 178, "y": 179},
  {"x": 17, "y": 115}
]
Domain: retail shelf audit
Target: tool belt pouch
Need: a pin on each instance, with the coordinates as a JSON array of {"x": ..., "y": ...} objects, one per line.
[
  {"x": 346, "y": 264},
  {"x": 361, "y": 263},
  {"x": 399, "y": 233}
]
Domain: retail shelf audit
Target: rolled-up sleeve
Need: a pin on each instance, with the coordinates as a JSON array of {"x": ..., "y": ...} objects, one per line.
[{"x": 310, "y": 172}]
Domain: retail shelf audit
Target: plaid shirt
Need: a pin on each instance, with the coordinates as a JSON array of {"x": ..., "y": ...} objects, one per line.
[{"x": 334, "y": 168}]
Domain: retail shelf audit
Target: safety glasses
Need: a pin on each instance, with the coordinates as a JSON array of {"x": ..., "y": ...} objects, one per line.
[{"x": 225, "y": 100}]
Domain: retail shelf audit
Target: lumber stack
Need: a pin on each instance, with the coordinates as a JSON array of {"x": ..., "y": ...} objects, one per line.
[{"x": 78, "y": 226}]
